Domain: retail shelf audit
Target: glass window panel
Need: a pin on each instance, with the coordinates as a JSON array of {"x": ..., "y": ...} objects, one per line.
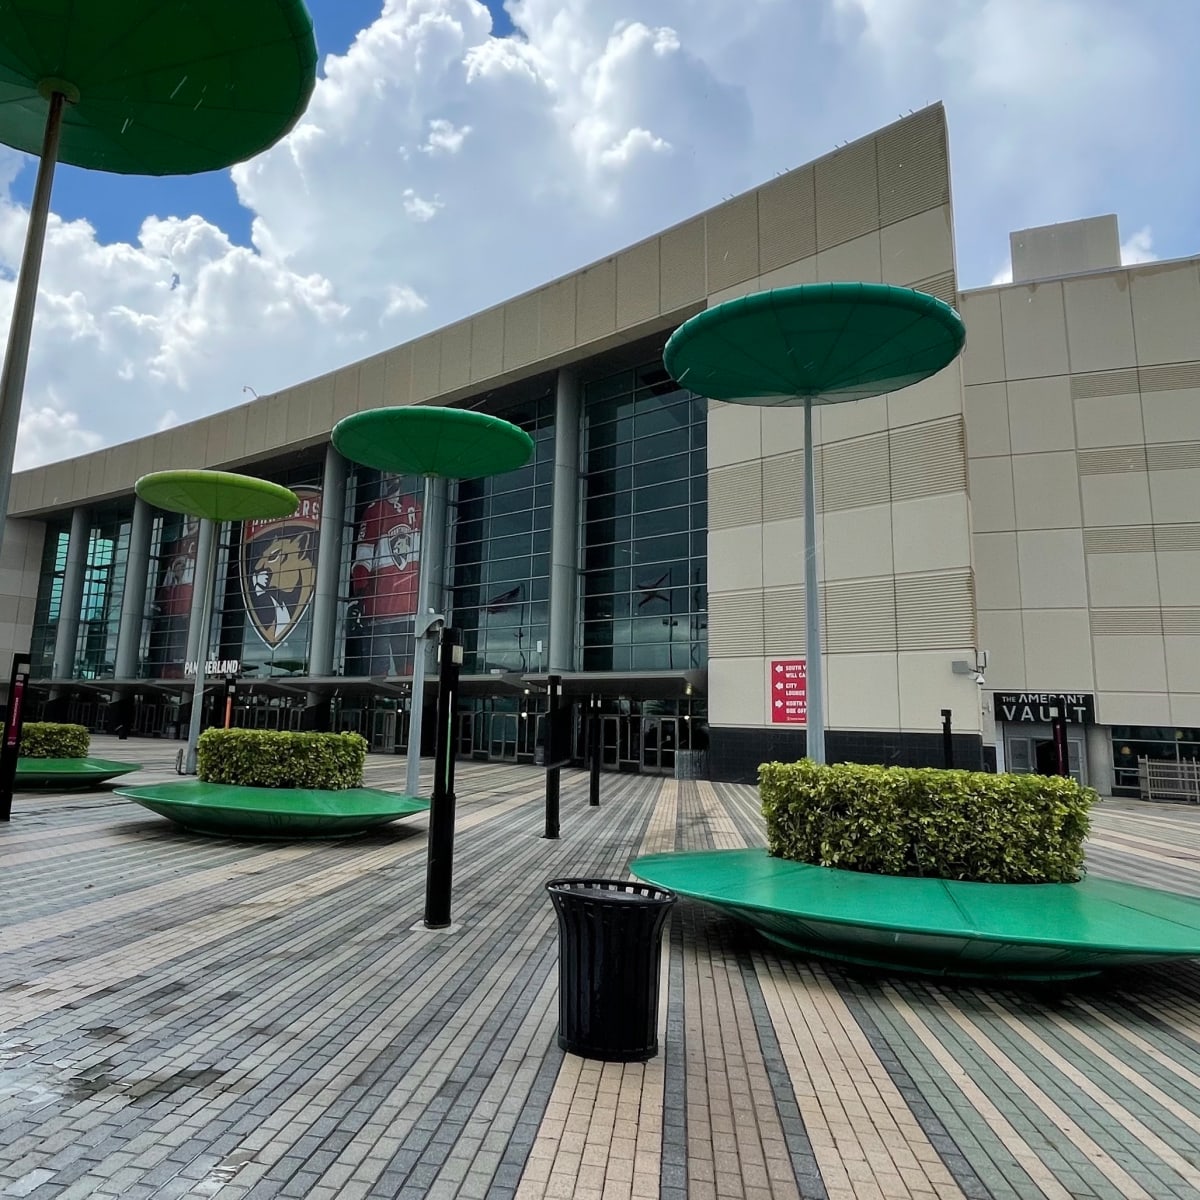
[{"x": 660, "y": 521}]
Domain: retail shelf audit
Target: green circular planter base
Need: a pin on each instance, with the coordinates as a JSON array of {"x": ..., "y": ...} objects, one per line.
[
  {"x": 217, "y": 495},
  {"x": 937, "y": 926},
  {"x": 446, "y": 443},
  {"x": 64, "y": 773},
  {"x": 254, "y": 812}
]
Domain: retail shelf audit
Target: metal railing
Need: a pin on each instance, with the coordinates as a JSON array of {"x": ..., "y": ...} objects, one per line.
[{"x": 1178, "y": 780}]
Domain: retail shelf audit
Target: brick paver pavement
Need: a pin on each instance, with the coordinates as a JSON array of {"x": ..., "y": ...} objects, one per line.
[{"x": 183, "y": 1016}]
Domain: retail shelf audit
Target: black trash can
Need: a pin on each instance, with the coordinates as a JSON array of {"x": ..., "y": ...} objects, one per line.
[{"x": 609, "y": 951}]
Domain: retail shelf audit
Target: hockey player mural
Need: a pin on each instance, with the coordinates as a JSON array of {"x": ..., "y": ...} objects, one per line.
[
  {"x": 172, "y": 605},
  {"x": 383, "y": 581}
]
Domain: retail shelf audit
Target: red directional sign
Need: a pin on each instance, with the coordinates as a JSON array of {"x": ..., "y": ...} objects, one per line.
[{"x": 789, "y": 691}]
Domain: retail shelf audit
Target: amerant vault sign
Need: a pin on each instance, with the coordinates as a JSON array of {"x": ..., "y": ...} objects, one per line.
[{"x": 1033, "y": 708}]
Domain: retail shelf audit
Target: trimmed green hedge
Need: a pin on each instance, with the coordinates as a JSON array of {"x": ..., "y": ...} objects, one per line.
[
  {"x": 943, "y": 824},
  {"x": 265, "y": 758},
  {"x": 49, "y": 739}
]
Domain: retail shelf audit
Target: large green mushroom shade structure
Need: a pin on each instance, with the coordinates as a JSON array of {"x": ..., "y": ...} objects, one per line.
[
  {"x": 213, "y": 497},
  {"x": 819, "y": 343},
  {"x": 436, "y": 443},
  {"x": 137, "y": 87}
]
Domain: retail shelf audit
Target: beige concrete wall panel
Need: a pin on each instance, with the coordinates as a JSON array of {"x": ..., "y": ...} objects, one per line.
[
  {"x": 1181, "y": 456},
  {"x": 847, "y": 194},
  {"x": 277, "y": 420},
  {"x": 1002, "y": 636},
  {"x": 1106, "y": 421},
  {"x": 943, "y": 286},
  {"x": 1127, "y": 622},
  {"x": 737, "y": 691},
  {"x": 857, "y": 543},
  {"x": 783, "y": 621},
  {"x": 1046, "y": 490},
  {"x": 1052, "y": 568},
  {"x": 385, "y": 380},
  {"x": 97, "y": 467},
  {"x": 913, "y": 165},
  {"x": 935, "y": 611},
  {"x": 855, "y": 473},
  {"x": 594, "y": 308},
  {"x": 1113, "y": 499},
  {"x": 345, "y": 392},
  {"x": 739, "y": 554},
  {"x": 735, "y": 624},
  {"x": 1185, "y": 711},
  {"x": 783, "y": 552},
  {"x": 735, "y": 496},
  {"x": 1123, "y": 382},
  {"x": 920, "y": 248},
  {"x": 983, "y": 355},
  {"x": 860, "y": 616},
  {"x": 637, "y": 285},
  {"x": 1130, "y": 662},
  {"x": 985, "y": 410},
  {"x": 1058, "y": 650},
  {"x": 803, "y": 270},
  {"x": 858, "y": 260},
  {"x": 320, "y": 407},
  {"x": 787, "y": 219},
  {"x": 18, "y": 491},
  {"x": 1183, "y": 661},
  {"x": 1178, "y": 538},
  {"x": 938, "y": 398},
  {"x": 1166, "y": 311},
  {"x": 556, "y": 316},
  {"x": 927, "y": 685},
  {"x": 1168, "y": 415},
  {"x": 1181, "y": 622},
  {"x": 426, "y": 368},
  {"x": 216, "y": 442},
  {"x": 456, "y": 357},
  {"x": 682, "y": 265},
  {"x": 256, "y": 427},
  {"x": 1178, "y": 575},
  {"x": 864, "y": 691},
  {"x": 144, "y": 455},
  {"x": 1132, "y": 708},
  {"x": 1174, "y": 495},
  {"x": 521, "y": 331},
  {"x": 839, "y": 422},
  {"x": 1174, "y": 377},
  {"x": 783, "y": 487},
  {"x": 734, "y": 433},
  {"x": 731, "y": 238},
  {"x": 1118, "y": 539},
  {"x": 1035, "y": 330},
  {"x": 997, "y": 576},
  {"x": 297, "y": 404},
  {"x": 783, "y": 428},
  {"x": 487, "y": 345},
  {"x": 1041, "y": 415},
  {"x": 928, "y": 459},
  {"x": 1099, "y": 322},
  {"x": 235, "y": 433},
  {"x": 1122, "y": 580},
  {"x": 932, "y": 534}
]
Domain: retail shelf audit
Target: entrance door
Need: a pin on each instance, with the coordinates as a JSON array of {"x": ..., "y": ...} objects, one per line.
[
  {"x": 659, "y": 742},
  {"x": 502, "y": 745},
  {"x": 1034, "y": 752},
  {"x": 383, "y": 730}
]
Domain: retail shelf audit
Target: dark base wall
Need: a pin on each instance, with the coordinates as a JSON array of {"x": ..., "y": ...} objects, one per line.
[{"x": 735, "y": 753}]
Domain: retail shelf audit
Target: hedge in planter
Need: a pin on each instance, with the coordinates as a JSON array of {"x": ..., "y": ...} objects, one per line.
[
  {"x": 264, "y": 758},
  {"x": 49, "y": 739},
  {"x": 945, "y": 824}
]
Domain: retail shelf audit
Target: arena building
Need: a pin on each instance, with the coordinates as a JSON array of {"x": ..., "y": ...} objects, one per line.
[{"x": 1019, "y": 531}]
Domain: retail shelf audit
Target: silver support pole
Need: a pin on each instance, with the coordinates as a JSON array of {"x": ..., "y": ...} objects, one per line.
[
  {"x": 66, "y": 636},
  {"x": 329, "y": 564},
  {"x": 564, "y": 529},
  {"x": 812, "y": 600},
  {"x": 429, "y": 597},
  {"x": 16, "y": 357},
  {"x": 205, "y": 562},
  {"x": 133, "y": 599}
]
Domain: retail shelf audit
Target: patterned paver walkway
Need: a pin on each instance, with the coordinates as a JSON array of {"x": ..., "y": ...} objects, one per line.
[{"x": 182, "y": 1016}]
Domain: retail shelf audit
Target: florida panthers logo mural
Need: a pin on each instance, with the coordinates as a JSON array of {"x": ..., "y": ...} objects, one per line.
[{"x": 279, "y": 568}]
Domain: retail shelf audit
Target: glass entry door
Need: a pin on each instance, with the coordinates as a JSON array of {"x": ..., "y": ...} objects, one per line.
[
  {"x": 1031, "y": 751},
  {"x": 502, "y": 744},
  {"x": 659, "y": 742}
]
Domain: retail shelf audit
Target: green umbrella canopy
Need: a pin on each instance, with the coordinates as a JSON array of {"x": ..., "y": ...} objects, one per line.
[
  {"x": 826, "y": 342},
  {"x": 156, "y": 87},
  {"x": 449, "y": 443},
  {"x": 218, "y": 495}
]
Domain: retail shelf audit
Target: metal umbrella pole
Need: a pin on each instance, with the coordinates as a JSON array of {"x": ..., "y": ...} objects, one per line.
[
  {"x": 16, "y": 357},
  {"x": 421, "y": 625},
  {"x": 205, "y": 561},
  {"x": 812, "y": 601}
]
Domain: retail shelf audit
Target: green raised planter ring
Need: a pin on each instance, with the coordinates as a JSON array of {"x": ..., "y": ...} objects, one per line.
[
  {"x": 937, "y": 926},
  {"x": 253, "y": 812},
  {"x": 68, "y": 773},
  {"x": 442, "y": 443}
]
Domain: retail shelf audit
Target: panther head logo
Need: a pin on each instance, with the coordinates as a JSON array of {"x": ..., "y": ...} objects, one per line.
[{"x": 279, "y": 573}]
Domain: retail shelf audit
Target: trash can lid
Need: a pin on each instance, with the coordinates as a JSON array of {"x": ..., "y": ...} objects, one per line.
[{"x": 619, "y": 891}]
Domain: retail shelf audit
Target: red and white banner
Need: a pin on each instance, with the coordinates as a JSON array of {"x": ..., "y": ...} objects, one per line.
[{"x": 788, "y": 684}]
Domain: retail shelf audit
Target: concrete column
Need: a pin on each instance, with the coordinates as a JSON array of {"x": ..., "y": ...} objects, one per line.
[
  {"x": 1101, "y": 773},
  {"x": 329, "y": 564},
  {"x": 564, "y": 528},
  {"x": 72, "y": 595},
  {"x": 133, "y": 599},
  {"x": 193, "y": 652}
]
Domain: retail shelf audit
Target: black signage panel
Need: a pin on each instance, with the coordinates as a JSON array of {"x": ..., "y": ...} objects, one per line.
[{"x": 1033, "y": 708}]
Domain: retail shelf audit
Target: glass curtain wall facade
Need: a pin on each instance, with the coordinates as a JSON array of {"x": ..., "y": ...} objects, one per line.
[
  {"x": 103, "y": 588},
  {"x": 501, "y": 556},
  {"x": 163, "y": 647},
  {"x": 645, "y": 519},
  {"x": 49, "y": 601}
]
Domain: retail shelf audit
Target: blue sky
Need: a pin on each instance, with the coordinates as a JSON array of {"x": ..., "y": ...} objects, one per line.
[{"x": 454, "y": 155}]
